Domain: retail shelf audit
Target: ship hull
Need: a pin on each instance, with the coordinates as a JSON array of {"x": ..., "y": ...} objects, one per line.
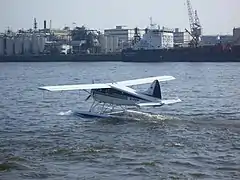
[{"x": 202, "y": 54}]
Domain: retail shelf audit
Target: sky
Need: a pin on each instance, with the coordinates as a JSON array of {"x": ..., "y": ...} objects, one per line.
[{"x": 216, "y": 16}]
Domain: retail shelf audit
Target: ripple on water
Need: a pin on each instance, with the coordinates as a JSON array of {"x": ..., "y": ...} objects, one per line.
[{"x": 41, "y": 138}]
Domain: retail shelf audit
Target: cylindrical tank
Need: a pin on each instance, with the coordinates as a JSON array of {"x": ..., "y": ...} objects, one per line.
[
  {"x": 18, "y": 44},
  {"x": 109, "y": 43},
  {"x": 41, "y": 43},
  {"x": 115, "y": 44},
  {"x": 1, "y": 46},
  {"x": 9, "y": 46},
  {"x": 103, "y": 42},
  {"x": 35, "y": 48},
  {"x": 26, "y": 45}
]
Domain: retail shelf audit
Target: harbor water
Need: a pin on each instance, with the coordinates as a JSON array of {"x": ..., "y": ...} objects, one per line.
[{"x": 41, "y": 137}]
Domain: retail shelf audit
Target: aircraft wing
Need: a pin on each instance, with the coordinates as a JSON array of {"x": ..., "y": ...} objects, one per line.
[
  {"x": 158, "y": 104},
  {"x": 122, "y": 85},
  {"x": 145, "y": 80},
  {"x": 74, "y": 87}
]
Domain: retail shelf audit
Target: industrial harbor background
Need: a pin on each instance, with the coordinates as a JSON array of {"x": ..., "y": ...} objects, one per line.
[{"x": 151, "y": 44}]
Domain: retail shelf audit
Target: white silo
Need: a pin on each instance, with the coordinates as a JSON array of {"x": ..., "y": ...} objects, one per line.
[
  {"x": 41, "y": 43},
  {"x": 103, "y": 43},
  {"x": 1, "y": 46},
  {"x": 35, "y": 48},
  {"x": 109, "y": 43},
  {"x": 9, "y": 46},
  {"x": 26, "y": 45},
  {"x": 105, "y": 46},
  {"x": 18, "y": 44},
  {"x": 115, "y": 44}
]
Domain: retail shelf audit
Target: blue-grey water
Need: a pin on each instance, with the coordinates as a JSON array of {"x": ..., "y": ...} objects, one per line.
[{"x": 42, "y": 138}]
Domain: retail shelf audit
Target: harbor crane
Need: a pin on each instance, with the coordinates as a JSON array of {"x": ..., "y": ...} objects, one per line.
[{"x": 195, "y": 26}]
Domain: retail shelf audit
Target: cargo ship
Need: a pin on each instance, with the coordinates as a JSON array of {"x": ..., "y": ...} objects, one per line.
[
  {"x": 216, "y": 53},
  {"x": 186, "y": 54},
  {"x": 158, "y": 46}
]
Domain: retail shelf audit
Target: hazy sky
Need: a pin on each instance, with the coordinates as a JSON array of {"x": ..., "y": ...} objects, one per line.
[{"x": 216, "y": 16}]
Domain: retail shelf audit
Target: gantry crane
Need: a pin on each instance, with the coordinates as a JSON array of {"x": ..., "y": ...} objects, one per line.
[{"x": 195, "y": 26}]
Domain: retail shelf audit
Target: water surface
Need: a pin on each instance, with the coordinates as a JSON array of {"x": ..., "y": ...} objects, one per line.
[{"x": 42, "y": 138}]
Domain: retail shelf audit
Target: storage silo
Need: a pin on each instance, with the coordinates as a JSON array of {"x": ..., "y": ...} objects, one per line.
[
  {"x": 35, "y": 48},
  {"x": 109, "y": 43},
  {"x": 103, "y": 43},
  {"x": 18, "y": 44},
  {"x": 106, "y": 44},
  {"x": 26, "y": 45},
  {"x": 1, "y": 46},
  {"x": 41, "y": 43},
  {"x": 115, "y": 44},
  {"x": 9, "y": 46}
]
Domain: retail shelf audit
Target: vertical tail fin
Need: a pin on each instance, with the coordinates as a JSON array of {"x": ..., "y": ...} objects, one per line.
[{"x": 155, "y": 90}]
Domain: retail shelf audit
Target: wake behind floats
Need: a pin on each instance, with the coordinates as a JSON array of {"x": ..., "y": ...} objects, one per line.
[{"x": 107, "y": 96}]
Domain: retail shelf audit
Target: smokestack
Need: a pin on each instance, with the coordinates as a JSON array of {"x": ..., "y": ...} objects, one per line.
[
  {"x": 50, "y": 24},
  {"x": 35, "y": 24},
  {"x": 45, "y": 24}
]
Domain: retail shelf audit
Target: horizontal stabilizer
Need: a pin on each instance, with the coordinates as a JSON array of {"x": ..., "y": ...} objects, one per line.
[
  {"x": 160, "y": 103},
  {"x": 74, "y": 87}
]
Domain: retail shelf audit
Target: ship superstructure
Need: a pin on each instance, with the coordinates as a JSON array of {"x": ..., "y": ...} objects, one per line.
[{"x": 155, "y": 38}]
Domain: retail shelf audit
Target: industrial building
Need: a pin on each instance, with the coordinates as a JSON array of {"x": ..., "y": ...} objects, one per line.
[
  {"x": 210, "y": 40},
  {"x": 20, "y": 44},
  {"x": 62, "y": 34},
  {"x": 114, "y": 39},
  {"x": 180, "y": 38},
  {"x": 1, "y": 46},
  {"x": 9, "y": 46},
  {"x": 236, "y": 36},
  {"x": 81, "y": 40}
]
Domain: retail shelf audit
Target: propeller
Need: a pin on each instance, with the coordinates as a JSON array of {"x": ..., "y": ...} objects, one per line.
[{"x": 90, "y": 93}]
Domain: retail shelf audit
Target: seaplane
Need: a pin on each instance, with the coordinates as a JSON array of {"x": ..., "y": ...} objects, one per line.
[{"x": 107, "y": 96}]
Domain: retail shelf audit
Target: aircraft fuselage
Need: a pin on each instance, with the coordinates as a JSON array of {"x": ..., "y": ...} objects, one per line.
[{"x": 113, "y": 96}]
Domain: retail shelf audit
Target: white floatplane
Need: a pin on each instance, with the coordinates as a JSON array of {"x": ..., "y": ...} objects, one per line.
[{"x": 119, "y": 94}]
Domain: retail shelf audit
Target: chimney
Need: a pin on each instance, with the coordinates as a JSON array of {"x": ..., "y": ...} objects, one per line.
[
  {"x": 45, "y": 24},
  {"x": 50, "y": 27},
  {"x": 35, "y": 24}
]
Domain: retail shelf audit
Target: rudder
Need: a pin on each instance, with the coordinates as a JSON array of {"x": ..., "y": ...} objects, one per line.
[{"x": 155, "y": 90}]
